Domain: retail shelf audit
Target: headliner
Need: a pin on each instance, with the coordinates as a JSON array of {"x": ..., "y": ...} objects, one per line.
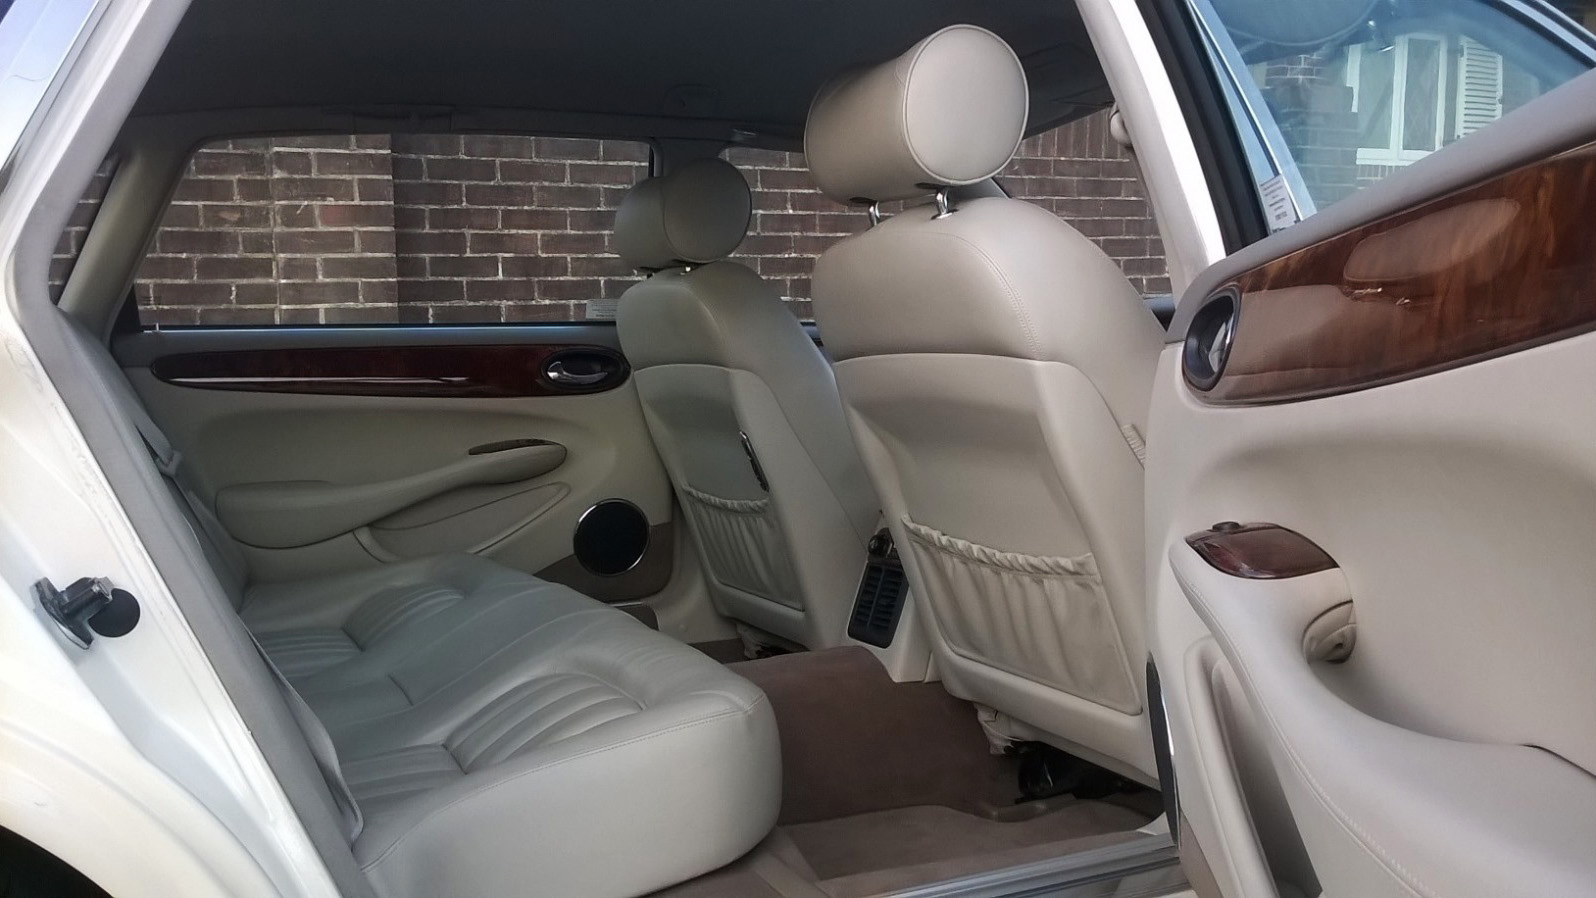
[{"x": 711, "y": 66}]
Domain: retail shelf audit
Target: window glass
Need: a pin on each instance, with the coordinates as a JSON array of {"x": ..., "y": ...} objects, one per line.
[
  {"x": 65, "y": 256},
  {"x": 1077, "y": 171},
  {"x": 391, "y": 229},
  {"x": 1344, "y": 93}
]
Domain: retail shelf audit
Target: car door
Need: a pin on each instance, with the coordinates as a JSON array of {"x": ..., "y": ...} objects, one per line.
[
  {"x": 1371, "y": 471},
  {"x": 377, "y": 347}
]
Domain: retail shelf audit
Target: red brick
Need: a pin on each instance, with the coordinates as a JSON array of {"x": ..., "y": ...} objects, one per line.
[
  {"x": 235, "y": 268},
  {"x": 498, "y": 195},
  {"x": 297, "y": 188},
  {"x": 599, "y": 173},
  {"x": 514, "y": 290},
  {"x": 311, "y": 242},
  {"x": 536, "y": 266},
  {"x": 512, "y": 171},
  {"x": 507, "y": 243},
  {"x": 427, "y": 193},
  {"x": 358, "y": 267},
  {"x": 318, "y": 292},
  {"x": 575, "y": 289},
  {"x": 555, "y": 243},
  {"x": 374, "y": 190},
  {"x": 286, "y": 162},
  {"x": 223, "y": 163},
  {"x": 535, "y": 219},
  {"x": 165, "y": 268},
  {"x": 441, "y": 169},
  {"x": 442, "y": 219},
  {"x": 355, "y": 216},
  {"x": 428, "y": 291},
  {"x": 362, "y": 163},
  {"x": 625, "y": 151},
  {"x": 462, "y": 266},
  {"x": 234, "y": 215},
  {"x": 567, "y": 148},
  {"x": 558, "y": 197},
  {"x": 377, "y": 241},
  {"x": 197, "y": 242},
  {"x": 204, "y": 190},
  {"x": 433, "y": 243}
]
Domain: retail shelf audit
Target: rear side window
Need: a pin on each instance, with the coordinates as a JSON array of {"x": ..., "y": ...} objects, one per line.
[
  {"x": 1077, "y": 171},
  {"x": 391, "y": 229},
  {"x": 67, "y": 249}
]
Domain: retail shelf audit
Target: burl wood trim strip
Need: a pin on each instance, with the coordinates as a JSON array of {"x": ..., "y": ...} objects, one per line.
[
  {"x": 491, "y": 371},
  {"x": 1260, "y": 551},
  {"x": 1491, "y": 269}
]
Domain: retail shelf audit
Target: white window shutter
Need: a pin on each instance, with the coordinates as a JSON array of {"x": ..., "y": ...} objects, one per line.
[{"x": 1479, "y": 87}]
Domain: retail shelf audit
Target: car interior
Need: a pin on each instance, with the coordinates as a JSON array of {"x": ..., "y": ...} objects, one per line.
[{"x": 623, "y": 449}]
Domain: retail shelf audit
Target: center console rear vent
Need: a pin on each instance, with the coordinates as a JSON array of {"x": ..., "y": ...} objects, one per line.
[{"x": 880, "y": 598}]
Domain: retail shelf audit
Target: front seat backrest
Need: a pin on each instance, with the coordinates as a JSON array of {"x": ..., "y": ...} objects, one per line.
[
  {"x": 996, "y": 368},
  {"x": 743, "y": 410}
]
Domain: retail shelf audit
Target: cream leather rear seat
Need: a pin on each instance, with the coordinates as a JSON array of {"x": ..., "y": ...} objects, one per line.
[{"x": 500, "y": 734}]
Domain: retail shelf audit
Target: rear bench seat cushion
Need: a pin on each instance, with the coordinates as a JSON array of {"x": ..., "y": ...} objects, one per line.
[{"x": 505, "y": 735}]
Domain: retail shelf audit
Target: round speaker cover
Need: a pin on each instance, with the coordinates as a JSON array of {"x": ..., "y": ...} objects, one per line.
[{"x": 610, "y": 538}]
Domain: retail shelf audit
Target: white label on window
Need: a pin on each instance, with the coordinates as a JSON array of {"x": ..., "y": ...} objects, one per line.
[
  {"x": 1278, "y": 208},
  {"x": 601, "y": 310}
]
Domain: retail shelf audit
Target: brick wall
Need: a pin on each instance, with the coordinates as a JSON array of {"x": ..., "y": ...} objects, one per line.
[{"x": 478, "y": 229}]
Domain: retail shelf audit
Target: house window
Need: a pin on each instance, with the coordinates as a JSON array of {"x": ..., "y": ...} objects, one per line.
[
  {"x": 1419, "y": 93},
  {"x": 1399, "y": 96}
]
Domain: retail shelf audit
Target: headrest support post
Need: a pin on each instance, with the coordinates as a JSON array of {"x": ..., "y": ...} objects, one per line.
[
  {"x": 944, "y": 203},
  {"x": 875, "y": 214}
]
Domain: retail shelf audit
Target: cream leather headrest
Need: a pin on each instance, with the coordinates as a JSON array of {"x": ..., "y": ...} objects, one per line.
[
  {"x": 698, "y": 213},
  {"x": 949, "y": 112}
]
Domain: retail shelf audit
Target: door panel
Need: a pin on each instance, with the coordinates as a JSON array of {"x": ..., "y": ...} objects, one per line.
[
  {"x": 329, "y": 449},
  {"x": 1411, "y": 393}
]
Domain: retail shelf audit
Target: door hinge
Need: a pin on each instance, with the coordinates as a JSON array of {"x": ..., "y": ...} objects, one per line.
[{"x": 87, "y": 607}]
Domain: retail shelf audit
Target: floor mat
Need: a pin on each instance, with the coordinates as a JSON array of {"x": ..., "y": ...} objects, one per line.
[
  {"x": 853, "y": 741},
  {"x": 905, "y": 837}
]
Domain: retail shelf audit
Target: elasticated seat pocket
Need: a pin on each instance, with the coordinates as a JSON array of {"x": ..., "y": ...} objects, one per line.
[
  {"x": 743, "y": 544},
  {"x": 1042, "y": 617}
]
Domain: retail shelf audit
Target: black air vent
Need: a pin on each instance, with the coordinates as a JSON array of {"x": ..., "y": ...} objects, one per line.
[{"x": 880, "y": 598}]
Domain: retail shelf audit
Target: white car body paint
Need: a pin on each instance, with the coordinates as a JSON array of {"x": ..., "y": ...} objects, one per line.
[
  {"x": 127, "y": 760},
  {"x": 1160, "y": 138}
]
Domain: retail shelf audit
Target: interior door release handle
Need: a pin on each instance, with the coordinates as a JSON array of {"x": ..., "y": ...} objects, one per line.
[{"x": 559, "y": 374}]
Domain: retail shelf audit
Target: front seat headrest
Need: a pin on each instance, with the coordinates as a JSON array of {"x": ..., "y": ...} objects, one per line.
[
  {"x": 951, "y": 111},
  {"x": 695, "y": 214}
]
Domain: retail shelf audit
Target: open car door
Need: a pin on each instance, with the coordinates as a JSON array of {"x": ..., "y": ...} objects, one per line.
[{"x": 1372, "y": 493}]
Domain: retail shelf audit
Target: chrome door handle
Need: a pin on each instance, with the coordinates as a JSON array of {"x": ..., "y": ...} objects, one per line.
[{"x": 558, "y": 374}]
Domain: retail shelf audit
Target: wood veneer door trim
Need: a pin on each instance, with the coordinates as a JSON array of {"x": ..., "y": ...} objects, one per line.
[
  {"x": 1495, "y": 268},
  {"x": 462, "y": 371}
]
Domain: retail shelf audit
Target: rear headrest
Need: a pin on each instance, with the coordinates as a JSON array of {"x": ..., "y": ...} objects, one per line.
[
  {"x": 698, "y": 213},
  {"x": 949, "y": 112}
]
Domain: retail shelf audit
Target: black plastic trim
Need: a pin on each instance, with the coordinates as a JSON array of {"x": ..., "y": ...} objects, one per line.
[
  {"x": 1163, "y": 755},
  {"x": 1213, "y": 128}
]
